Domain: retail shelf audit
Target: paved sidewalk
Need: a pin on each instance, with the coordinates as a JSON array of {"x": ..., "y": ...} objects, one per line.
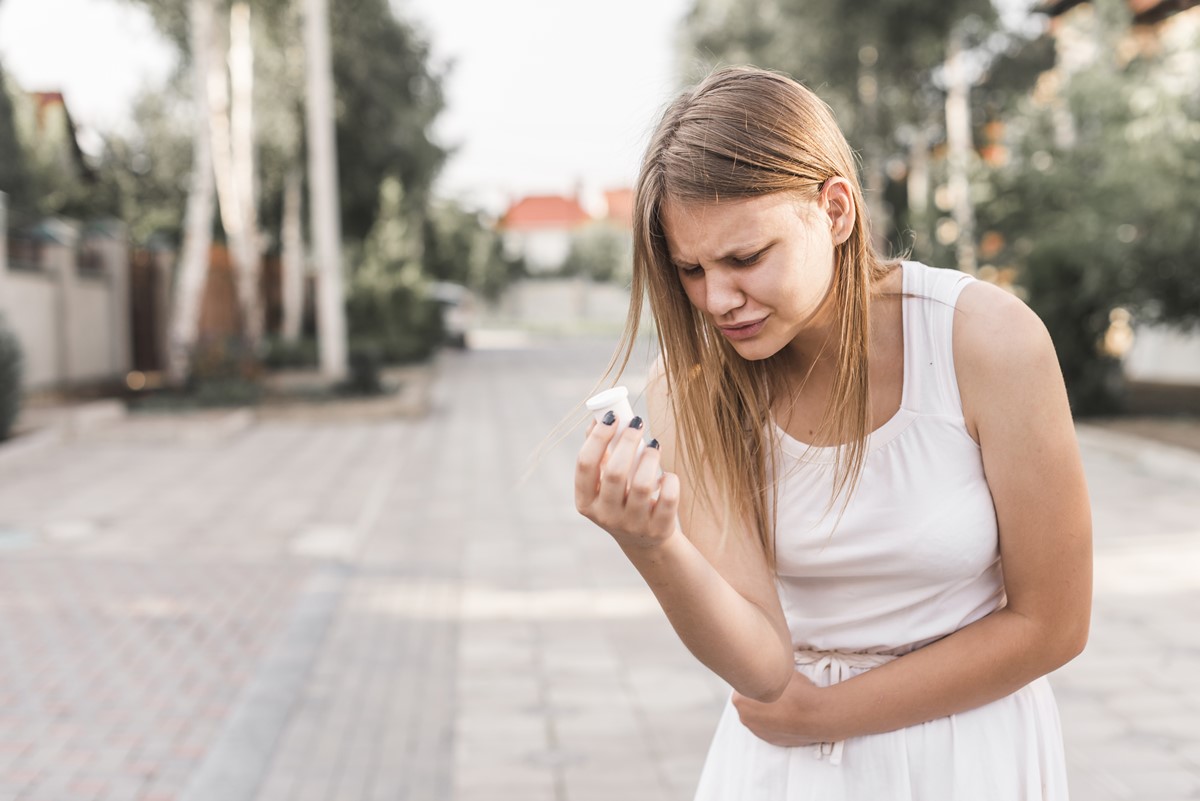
[{"x": 299, "y": 609}]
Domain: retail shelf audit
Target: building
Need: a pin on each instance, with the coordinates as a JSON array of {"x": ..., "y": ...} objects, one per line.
[
  {"x": 1145, "y": 12},
  {"x": 618, "y": 204},
  {"x": 539, "y": 228},
  {"x": 64, "y": 284}
]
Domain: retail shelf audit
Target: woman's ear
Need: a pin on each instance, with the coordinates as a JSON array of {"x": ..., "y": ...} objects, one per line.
[{"x": 837, "y": 201}]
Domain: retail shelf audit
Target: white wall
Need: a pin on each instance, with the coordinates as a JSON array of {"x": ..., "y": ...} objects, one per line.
[
  {"x": 1164, "y": 355},
  {"x": 544, "y": 251},
  {"x": 90, "y": 331},
  {"x": 73, "y": 328},
  {"x": 28, "y": 301},
  {"x": 563, "y": 303}
]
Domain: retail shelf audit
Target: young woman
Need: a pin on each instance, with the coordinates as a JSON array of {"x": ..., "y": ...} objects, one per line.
[{"x": 873, "y": 521}]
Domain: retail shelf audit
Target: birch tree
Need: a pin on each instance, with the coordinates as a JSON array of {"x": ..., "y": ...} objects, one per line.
[
  {"x": 323, "y": 194},
  {"x": 231, "y": 118},
  {"x": 198, "y": 218}
]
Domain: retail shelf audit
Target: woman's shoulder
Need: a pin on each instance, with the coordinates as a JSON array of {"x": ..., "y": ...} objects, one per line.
[
  {"x": 993, "y": 324},
  {"x": 1003, "y": 355}
]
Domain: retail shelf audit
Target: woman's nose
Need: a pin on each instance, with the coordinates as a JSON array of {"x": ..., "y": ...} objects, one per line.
[{"x": 722, "y": 293}]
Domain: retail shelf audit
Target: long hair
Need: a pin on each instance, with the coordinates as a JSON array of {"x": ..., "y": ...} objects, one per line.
[{"x": 741, "y": 133}]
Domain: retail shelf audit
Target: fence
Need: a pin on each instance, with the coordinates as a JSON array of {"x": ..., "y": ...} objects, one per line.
[{"x": 66, "y": 296}]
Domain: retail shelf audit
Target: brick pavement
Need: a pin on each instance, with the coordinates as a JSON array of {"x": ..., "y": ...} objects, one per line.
[{"x": 309, "y": 610}]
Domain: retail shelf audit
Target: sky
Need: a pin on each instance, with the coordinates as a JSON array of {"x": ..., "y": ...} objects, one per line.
[{"x": 543, "y": 97}]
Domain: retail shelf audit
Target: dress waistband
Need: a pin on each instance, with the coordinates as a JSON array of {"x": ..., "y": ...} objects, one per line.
[{"x": 835, "y": 667}]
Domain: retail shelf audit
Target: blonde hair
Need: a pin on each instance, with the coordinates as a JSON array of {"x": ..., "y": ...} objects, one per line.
[{"x": 745, "y": 132}]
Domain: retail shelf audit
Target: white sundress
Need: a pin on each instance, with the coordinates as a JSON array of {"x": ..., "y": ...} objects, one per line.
[{"x": 914, "y": 558}]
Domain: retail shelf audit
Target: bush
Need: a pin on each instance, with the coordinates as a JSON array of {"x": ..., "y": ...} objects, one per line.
[
  {"x": 402, "y": 324},
  {"x": 366, "y": 364},
  {"x": 1074, "y": 294},
  {"x": 224, "y": 373},
  {"x": 10, "y": 379},
  {"x": 281, "y": 354}
]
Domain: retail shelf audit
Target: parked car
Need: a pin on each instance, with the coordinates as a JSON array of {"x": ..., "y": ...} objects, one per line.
[{"x": 458, "y": 310}]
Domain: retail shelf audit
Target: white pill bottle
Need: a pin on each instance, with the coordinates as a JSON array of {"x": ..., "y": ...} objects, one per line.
[{"x": 615, "y": 400}]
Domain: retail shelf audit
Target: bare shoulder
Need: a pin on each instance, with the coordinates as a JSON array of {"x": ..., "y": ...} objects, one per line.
[{"x": 1003, "y": 357}]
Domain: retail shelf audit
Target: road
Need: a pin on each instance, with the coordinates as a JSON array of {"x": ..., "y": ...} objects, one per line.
[{"x": 411, "y": 609}]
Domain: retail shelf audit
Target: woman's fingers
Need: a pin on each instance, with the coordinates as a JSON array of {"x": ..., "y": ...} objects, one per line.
[
  {"x": 591, "y": 461},
  {"x": 662, "y": 516},
  {"x": 618, "y": 467},
  {"x": 619, "y": 484},
  {"x": 645, "y": 478},
  {"x": 615, "y": 474}
]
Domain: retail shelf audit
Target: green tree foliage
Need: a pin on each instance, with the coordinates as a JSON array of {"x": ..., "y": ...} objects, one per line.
[
  {"x": 10, "y": 379},
  {"x": 389, "y": 312},
  {"x": 460, "y": 247},
  {"x": 14, "y": 175},
  {"x": 875, "y": 62},
  {"x": 387, "y": 99},
  {"x": 822, "y": 43},
  {"x": 151, "y": 168},
  {"x": 1098, "y": 203},
  {"x": 387, "y": 94},
  {"x": 600, "y": 252},
  {"x": 43, "y": 170}
]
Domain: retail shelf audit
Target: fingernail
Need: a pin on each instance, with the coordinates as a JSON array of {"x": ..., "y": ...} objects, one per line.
[
  {"x": 610, "y": 418},
  {"x": 635, "y": 422},
  {"x": 653, "y": 443}
]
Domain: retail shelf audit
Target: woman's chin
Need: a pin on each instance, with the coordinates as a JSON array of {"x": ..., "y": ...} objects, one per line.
[{"x": 756, "y": 350}]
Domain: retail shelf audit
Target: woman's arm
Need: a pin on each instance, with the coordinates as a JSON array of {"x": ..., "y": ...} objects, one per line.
[
  {"x": 1016, "y": 408},
  {"x": 728, "y": 617}
]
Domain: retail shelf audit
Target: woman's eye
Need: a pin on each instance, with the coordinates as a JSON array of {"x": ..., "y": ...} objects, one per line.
[
  {"x": 748, "y": 260},
  {"x": 691, "y": 272}
]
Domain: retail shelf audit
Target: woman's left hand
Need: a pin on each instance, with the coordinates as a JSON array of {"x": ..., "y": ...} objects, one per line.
[{"x": 790, "y": 721}]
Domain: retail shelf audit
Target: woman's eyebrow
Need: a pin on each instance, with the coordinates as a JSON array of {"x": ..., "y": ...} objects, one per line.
[{"x": 732, "y": 253}]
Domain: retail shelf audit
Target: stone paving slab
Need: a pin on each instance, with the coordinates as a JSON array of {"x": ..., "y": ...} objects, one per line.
[
  {"x": 117, "y": 673},
  {"x": 403, "y": 609}
]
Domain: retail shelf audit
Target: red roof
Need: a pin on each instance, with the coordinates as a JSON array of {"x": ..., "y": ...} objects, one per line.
[
  {"x": 46, "y": 100},
  {"x": 1145, "y": 12},
  {"x": 544, "y": 211},
  {"x": 620, "y": 206}
]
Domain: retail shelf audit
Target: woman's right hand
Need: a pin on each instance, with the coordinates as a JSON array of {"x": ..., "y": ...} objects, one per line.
[{"x": 625, "y": 494}]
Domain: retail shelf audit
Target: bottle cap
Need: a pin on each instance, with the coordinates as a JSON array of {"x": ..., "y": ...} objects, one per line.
[{"x": 615, "y": 400}]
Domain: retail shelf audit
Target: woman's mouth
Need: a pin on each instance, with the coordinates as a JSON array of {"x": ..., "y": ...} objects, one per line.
[{"x": 743, "y": 330}]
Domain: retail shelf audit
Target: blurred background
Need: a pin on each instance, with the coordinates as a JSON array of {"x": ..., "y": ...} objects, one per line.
[
  {"x": 170, "y": 151},
  {"x": 290, "y": 289}
]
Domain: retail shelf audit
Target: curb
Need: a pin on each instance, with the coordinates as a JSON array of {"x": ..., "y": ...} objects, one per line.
[
  {"x": 410, "y": 401},
  {"x": 19, "y": 447},
  {"x": 52, "y": 426}
]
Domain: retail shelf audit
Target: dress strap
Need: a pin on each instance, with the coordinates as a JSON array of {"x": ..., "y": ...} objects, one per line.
[{"x": 931, "y": 385}]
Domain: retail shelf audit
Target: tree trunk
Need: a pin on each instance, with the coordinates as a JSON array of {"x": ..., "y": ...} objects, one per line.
[
  {"x": 197, "y": 237},
  {"x": 218, "y": 122},
  {"x": 323, "y": 192},
  {"x": 232, "y": 124},
  {"x": 874, "y": 180},
  {"x": 292, "y": 236},
  {"x": 248, "y": 246},
  {"x": 959, "y": 145},
  {"x": 918, "y": 188}
]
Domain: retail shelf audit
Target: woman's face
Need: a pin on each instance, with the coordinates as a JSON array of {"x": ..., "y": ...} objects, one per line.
[{"x": 760, "y": 269}]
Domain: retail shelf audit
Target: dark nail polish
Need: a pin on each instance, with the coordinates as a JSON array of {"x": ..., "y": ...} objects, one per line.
[
  {"x": 635, "y": 422},
  {"x": 653, "y": 443},
  {"x": 610, "y": 418}
]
